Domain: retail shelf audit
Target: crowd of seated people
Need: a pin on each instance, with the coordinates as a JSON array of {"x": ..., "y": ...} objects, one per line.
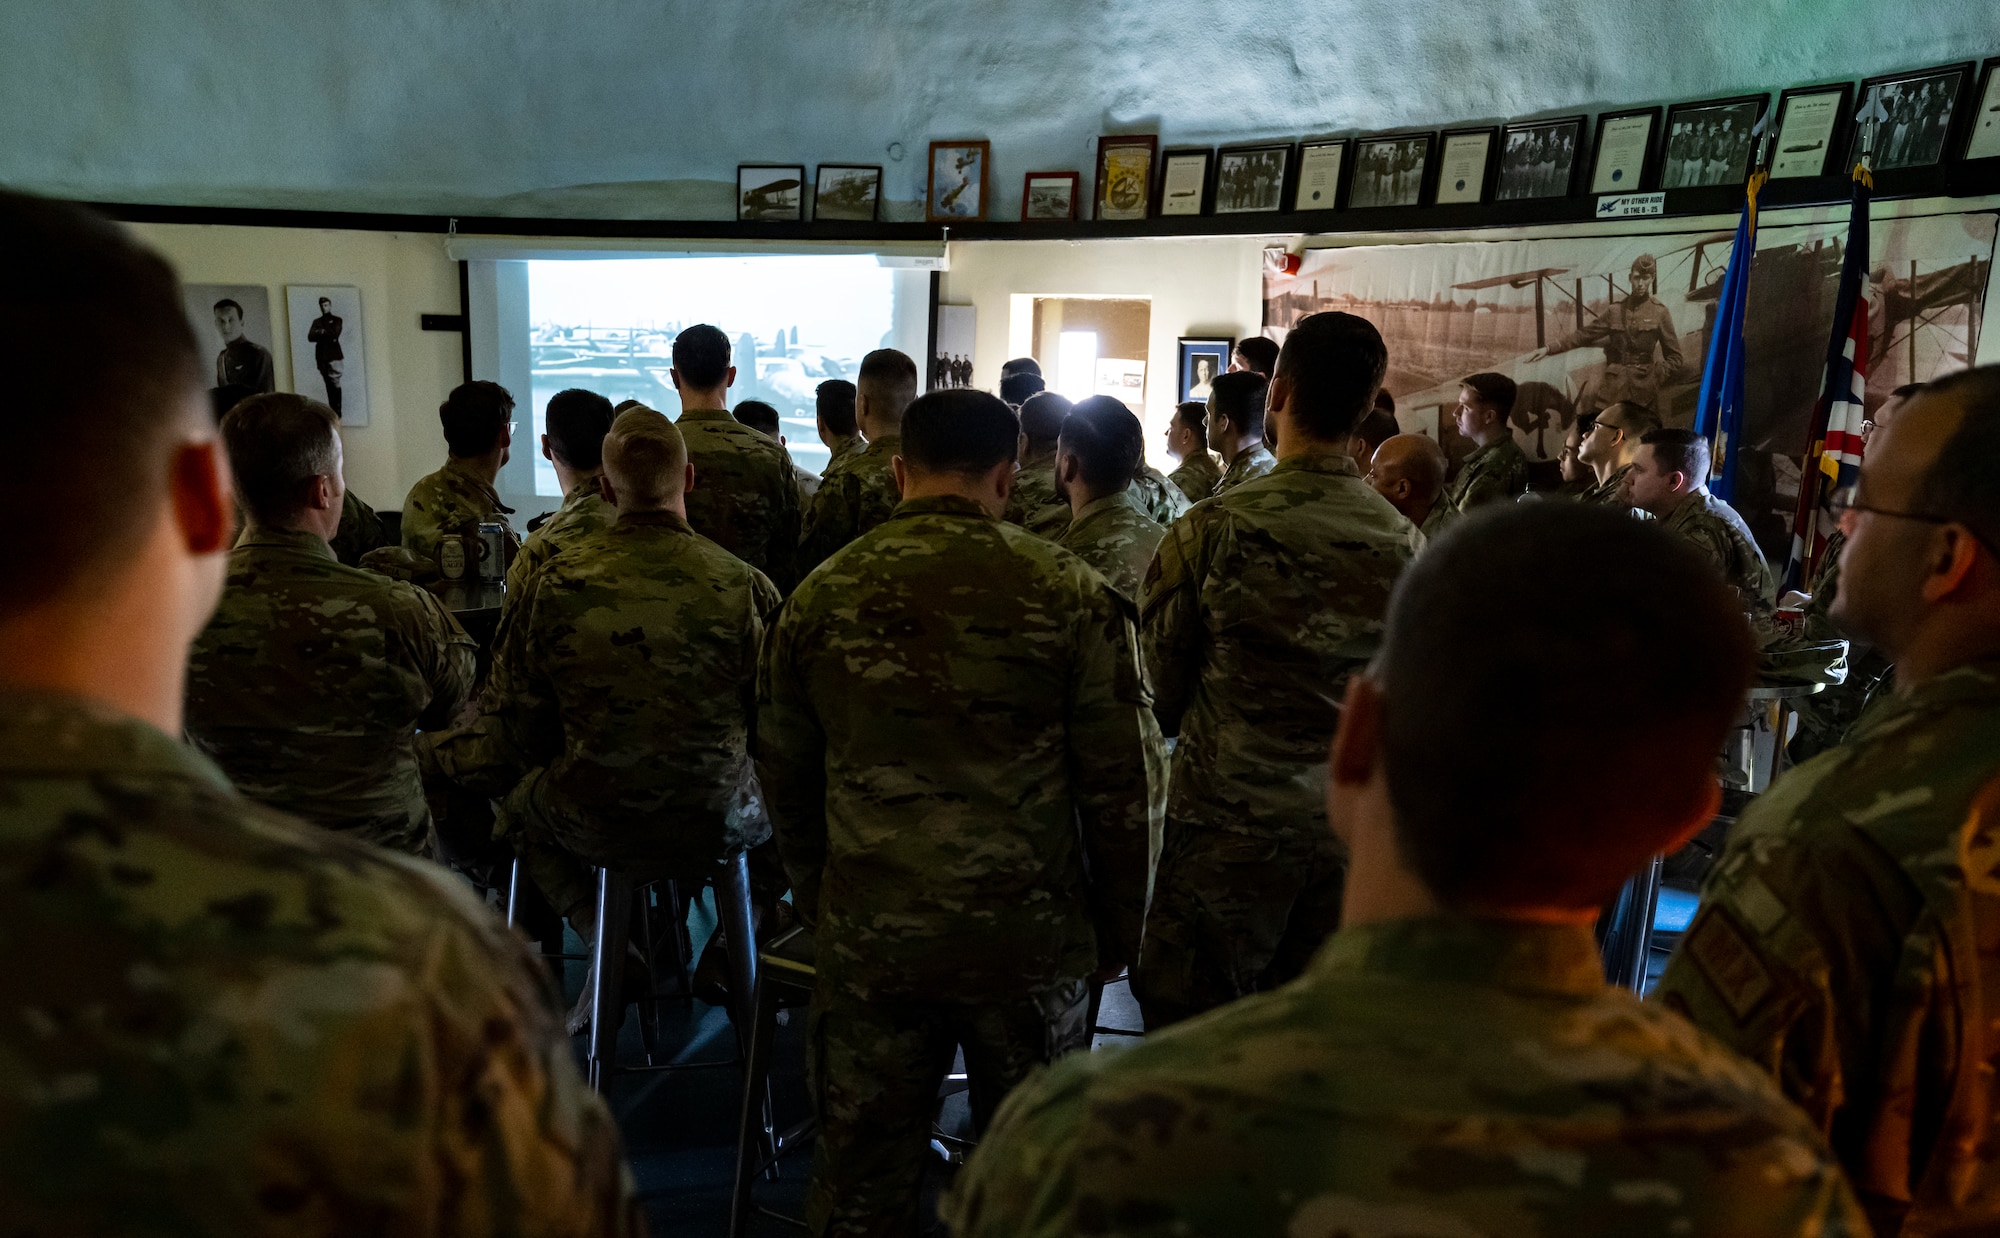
[{"x": 1335, "y": 752}]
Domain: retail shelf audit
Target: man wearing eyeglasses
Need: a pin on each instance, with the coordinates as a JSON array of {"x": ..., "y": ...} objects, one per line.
[
  {"x": 1847, "y": 940},
  {"x": 1610, "y": 446}
]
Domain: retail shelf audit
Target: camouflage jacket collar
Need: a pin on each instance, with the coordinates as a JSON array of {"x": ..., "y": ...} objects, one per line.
[
  {"x": 1607, "y": 490},
  {"x": 884, "y": 447},
  {"x": 1504, "y": 954},
  {"x": 582, "y": 492},
  {"x": 1042, "y": 458},
  {"x": 1976, "y": 683},
  {"x": 309, "y": 544},
  {"x": 945, "y": 504},
  {"x": 705, "y": 414},
  {"x": 851, "y": 446},
  {"x": 462, "y": 470},
  {"x": 1335, "y": 462},
  {"x": 658, "y": 520},
  {"x": 1110, "y": 502},
  {"x": 50, "y": 734}
]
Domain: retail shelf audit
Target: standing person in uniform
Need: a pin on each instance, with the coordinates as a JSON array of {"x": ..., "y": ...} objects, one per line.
[
  {"x": 743, "y": 498},
  {"x": 764, "y": 419},
  {"x": 1454, "y": 1063},
  {"x": 328, "y": 359},
  {"x": 1259, "y": 604},
  {"x": 1108, "y": 529},
  {"x": 1668, "y": 480},
  {"x": 1236, "y": 427},
  {"x": 1255, "y": 353},
  {"x": 955, "y": 737},
  {"x": 577, "y": 421},
  {"x": 1631, "y": 333},
  {"x": 310, "y": 682},
  {"x": 243, "y": 362},
  {"x": 245, "y": 1025},
  {"x": 858, "y": 490},
  {"x": 1034, "y": 503},
  {"x": 1187, "y": 442},
  {"x": 1156, "y": 494},
  {"x": 1497, "y": 469},
  {"x": 1845, "y": 940},
  {"x": 458, "y": 498},
  {"x": 833, "y": 418}
]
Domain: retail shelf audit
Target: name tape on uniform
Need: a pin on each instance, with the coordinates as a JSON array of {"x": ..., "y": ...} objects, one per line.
[{"x": 1631, "y": 205}]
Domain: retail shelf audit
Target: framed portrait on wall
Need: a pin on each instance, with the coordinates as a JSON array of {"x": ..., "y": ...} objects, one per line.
[
  {"x": 1811, "y": 126},
  {"x": 1125, "y": 175},
  {"x": 1184, "y": 181},
  {"x": 1920, "y": 113},
  {"x": 1201, "y": 358},
  {"x": 1983, "y": 142},
  {"x": 1048, "y": 195},
  {"x": 1319, "y": 175},
  {"x": 1251, "y": 178},
  {"x": 1709, "y": 143},
  {"x": 957, "y": 189},
  {"x": 1389, "y": 170},
  {"x": 848, "y": 191},
  {"x": 770, "y": 192},
  {"x": 329, "y": 363},
  {"x": 1465, "y": 158},
  {"x": 1623, "y": 159},
  {"x": 1538, "y": 159},
  {"x": 232, "y": 330}
]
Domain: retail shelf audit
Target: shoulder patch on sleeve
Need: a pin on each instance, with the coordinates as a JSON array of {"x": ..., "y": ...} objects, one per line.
[{"x": 1726, "y": 960}]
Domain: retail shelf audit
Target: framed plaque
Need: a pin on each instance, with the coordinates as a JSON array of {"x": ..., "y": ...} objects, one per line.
[
  {"x": 1183, "y": 182},
  {"x": 1465, "y": 159},
  {"x": 1623, "y": 158},
  {"x": 1319, "y": 175},
  {"x": 1811, "y": 126}
]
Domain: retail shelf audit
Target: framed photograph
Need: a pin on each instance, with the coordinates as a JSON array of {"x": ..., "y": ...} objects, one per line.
[
  {"x": 325, "y": 322},
  {"x": 1048, "y": 195},
  {"x": 1125, "y": 175},
  {"x": 1538, "y": 159},
  {"x": 1919, "y": 110},
  {"x": 1319, "y": 175},
  {"x": 958, "y": 181},
  {"x": 1623, "y": 162},
  {"x": 1811, "y": 126},
  {"x": 1465, "y": 157},
  {"x": 1202, "y": 358},
  {"x": 1251, "y": 178},
  {"x": 1389, "y": 171},
  {"x": 848, "y": 191},
  {"x": 770, "y": 192},
  {"x": 1183, "y": 181},
  {"x": 1984, "y": 140},
  {"x": 1709, "y": 143},
  {"x": 232, "y": 328}
]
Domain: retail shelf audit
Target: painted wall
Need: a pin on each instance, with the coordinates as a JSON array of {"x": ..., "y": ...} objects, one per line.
[{"x": 637, "y": 108}]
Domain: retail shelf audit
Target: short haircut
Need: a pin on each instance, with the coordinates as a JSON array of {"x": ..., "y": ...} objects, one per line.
[
  {"x": 622, "y": 405},
  {"x": 1496, "y": 391},
  {"x": 701, "y": 355},
  {"x": 959, "y": 431},
  {"x": 1905, "y": 391},
  {"x": 1376, "y": 428},
  {"x": 1959, "y": 485},
  {"x": 474, "y": 416},
  {"x": 1042, "y": 418},
  {"x": 1022, "y": 365},
  {"x": 889, "y": 378},
  {"x": 1016, "y": 388},
  {"x": 1384, "y": 401},
  {"x": 834, "y": 401},
  {"x": 1484, "y": 626},
  {"x": 645, "y": 457},
  {"x": 1259, "y": 353},
  {"x": 277, "y": 443},
  {"x": 1679, "y": 451},
  {"x": 102, "y": 382},
  {"x": 222, "y": 399},
  {"x": 1239, "y": 396},
  {"x": 1638, "y": 418},
  {"x": 228, "y": 303},
  {"x": 759, "y": 416},
  {"x": 1192, "y": 416},
  {"x": 1107, "y": 441},
  {"x": 577, "y": 421},
  {"x": 1334, "y": 364}
]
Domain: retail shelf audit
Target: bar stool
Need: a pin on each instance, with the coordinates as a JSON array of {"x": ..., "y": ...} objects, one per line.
[{"x": 786, "y": 982}]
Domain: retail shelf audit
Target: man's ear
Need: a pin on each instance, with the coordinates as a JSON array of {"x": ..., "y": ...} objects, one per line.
[
  {"x": 203, "y": 506},
  {"x": 1953, "y": 559},
  {"x": 1001, "y": 478},
  {"x": 322, "y": 495},
  {"x": 902, "y": 473},
  {"x": 675, "y": 375},
  {"x": 605, "y": 491},
  {"x": 729, "y": 377},
  {"x": 1357, "y": 739},
  {"x": 687, "y": 479},
  {"x": 547, "y": 453}
]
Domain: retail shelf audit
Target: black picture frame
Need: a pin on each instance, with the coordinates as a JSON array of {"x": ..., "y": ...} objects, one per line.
[
  {"x": 1215, "y": 347},
  {"x": 1649, "y": 165},
  {"x": 1557, "y": 182},
  {"x": 1836, "y": 140},
  {"x": 1945, "y": 144},
  {"x": 1163, "y": 171},
  {"x": 1228, "y": 199},
  {"x": 1307, "y": 158},
  {"x": 1361, "y": 177},
  {"x": 874, "y": 210},
  {"x": 1983, "y": 122},
  {"x": 1697, "y": 170},
  {"x": 749, "y": 212},
  {"x": 1482, "y": 190}
]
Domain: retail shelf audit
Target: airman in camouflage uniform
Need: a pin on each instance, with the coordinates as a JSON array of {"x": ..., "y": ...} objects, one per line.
[
  {"x": 1197, "y": 475},
  {"x": 954, "y": 735},
  {"x": 1109, "y": 529},
  {"x": 582, "y": 513},
  {"x": 1608, "y": 492},
  {"x": 1034, "y": 504},
  {"x": 577, "y": 421},
  {"x": 1713, "y": 527},
  {"x": 1491, "y": 474},
  {"x": 360, "y": 531},
  {"x": 1159, "y": 497},
  {"x": 856, "y": 492},
  {"x": 1115, "y": 537},
  {"x": 452, "y": 500},
  {"x": 744, "y": 498},
  {"x": 1249, "y": 463},
  {"x": 1631, "y": 333}
]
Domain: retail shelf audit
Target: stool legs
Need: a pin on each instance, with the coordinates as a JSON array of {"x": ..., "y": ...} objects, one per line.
[
  {"x": 732, "y": 906},
  {"x": 752, "y": 1135},
  {"x": 607, "y": 968}
]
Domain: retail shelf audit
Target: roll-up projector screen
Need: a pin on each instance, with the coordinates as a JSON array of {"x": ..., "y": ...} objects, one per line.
[{"x": 606, "y": 321}]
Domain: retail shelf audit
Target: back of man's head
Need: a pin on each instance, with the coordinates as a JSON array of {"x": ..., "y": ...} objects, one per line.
[
  {"x": 1333, "y": 364},
  {"x": 834, "y": 402},
  {"x": 474, "y": 416},
  {"x": 888, "y": 379},
  {"x": 278, "y": 442},
  {"x": 645, "y": 459},
  {"x": 1107, "y": 442},
  {"x": 1374, "y": 429},
  {"x": 1613, "y": 687},
  {"x": 1042, "y": 418},
  {"x": 1016, "y": 388},
  {"x": 103, "y": 384},
  {"x": 1192, "y": 416},
  {"x": 1258, "y": 354},
  {"x": 701, "y": 357},
  {"x": 1495, "y": 391},
  {"x": 1384, "y": 402},
  {"x": 577, "y": 421},
  {"x": 1415, "y": 458},
  {"x": 1238, "y": 398},
  {"x": 759, "y": 416},
  {"x": 1960, "y": 485},
  {"x": 1021, "y": 365},
  {"x": 1679, "y": 451},
  {"x": 959, "y": 431}
]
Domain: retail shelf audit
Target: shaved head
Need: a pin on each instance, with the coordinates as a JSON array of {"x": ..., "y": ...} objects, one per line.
[
  {"x": 645, "y": 459},
  {"x": 1408, "y": 470}
]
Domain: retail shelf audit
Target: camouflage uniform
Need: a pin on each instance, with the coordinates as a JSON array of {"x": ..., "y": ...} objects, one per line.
[
  {"x": 1118, "y": 539},
  {"x": 1846, "y": 944},
  {"x": 1427, "y": 1077},
  {"x": 243, "y": 1025},
  {"x": 1497, "y": 473},
  {"x": 1158, "y": 497},
  {"x": 1605, "y": 493},
  {"x": 1714, "y": 528},
  {"x": 808, "y": 482},
  {"x": 856, "y": 493},
  {"x": 360, "y": 531},
  {"x": 582, "y": 513},
  {"x": 1254, "y": 462},
  {"x": 1259, "y": 604},
  {"x": 617, "y": 720},
  {"x": 1442, "y": 516},
  {"x": 744, "y": 499},
  {"x": 308, "y": 686},
  {"x": 1034, "y": 505},
  {"x": 452, "y": 500},
  {"x": 964, "y": 777},
  {"x": 1630, "y": 333},
  {"x": 1197, "y": 475}
]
